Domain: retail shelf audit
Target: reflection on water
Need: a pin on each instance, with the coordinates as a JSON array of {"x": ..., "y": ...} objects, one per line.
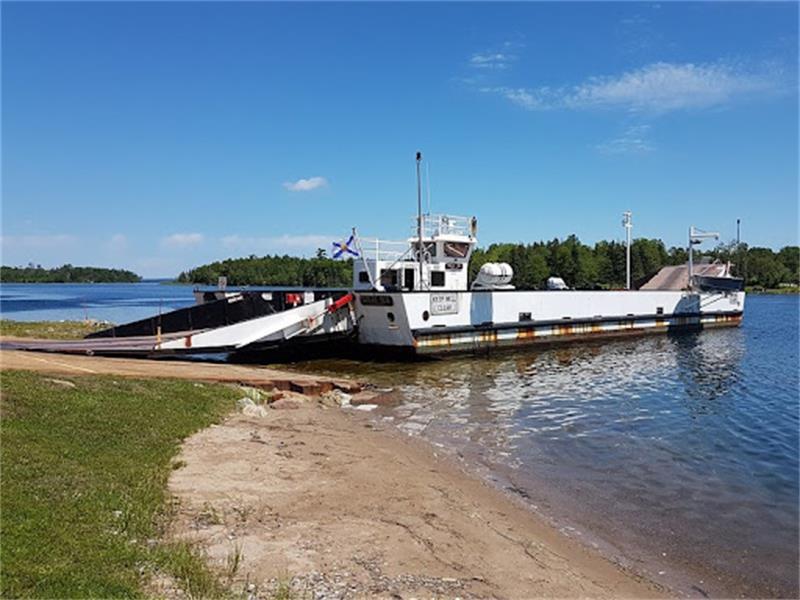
[{"x": 677, "y": 454}]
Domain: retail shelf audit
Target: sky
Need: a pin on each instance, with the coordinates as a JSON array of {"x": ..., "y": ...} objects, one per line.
[{"x": 161, "y": 136}]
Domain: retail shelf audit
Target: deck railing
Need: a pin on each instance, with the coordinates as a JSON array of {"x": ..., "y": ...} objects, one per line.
[
  {"x": 383, "y": 250},
  {"x": 436, "y": 225}
]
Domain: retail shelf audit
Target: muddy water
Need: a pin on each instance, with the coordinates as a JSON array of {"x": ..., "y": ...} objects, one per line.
[{"x": 677, "y": 456}]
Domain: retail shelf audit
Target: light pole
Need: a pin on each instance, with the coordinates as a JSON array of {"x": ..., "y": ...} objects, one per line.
[{"x": 628, "y": 225}]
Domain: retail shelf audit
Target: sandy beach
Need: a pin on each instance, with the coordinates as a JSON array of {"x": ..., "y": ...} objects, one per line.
[{"x": 330, "y": 502}]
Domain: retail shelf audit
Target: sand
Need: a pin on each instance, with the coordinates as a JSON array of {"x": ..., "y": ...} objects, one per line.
[{"x": 334, "y": 503}]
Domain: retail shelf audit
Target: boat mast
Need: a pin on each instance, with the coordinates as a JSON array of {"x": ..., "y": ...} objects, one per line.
[{"x": 419, "y": 219}]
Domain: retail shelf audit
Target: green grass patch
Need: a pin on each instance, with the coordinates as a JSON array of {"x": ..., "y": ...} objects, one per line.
[
  {"x": 83, "y": 499},
  {"x": 55, "y": 330},
  {"x": 784, "y": 289}
]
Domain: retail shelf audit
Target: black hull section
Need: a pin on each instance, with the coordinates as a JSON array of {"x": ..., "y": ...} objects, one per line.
[{"x": 242, "y": 306}]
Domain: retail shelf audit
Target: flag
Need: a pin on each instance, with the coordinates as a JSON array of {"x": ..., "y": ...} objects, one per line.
[{"x": 340, "y": 248}]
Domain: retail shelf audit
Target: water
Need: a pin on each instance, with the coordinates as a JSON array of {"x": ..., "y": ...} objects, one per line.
[
  {"x": 114, "y": 302},
  {"x": 676, "y": 456}
]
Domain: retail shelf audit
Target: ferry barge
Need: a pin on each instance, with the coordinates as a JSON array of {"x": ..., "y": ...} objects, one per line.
[
  {"x": 414, "y": 297},
  {"x": 444, "y": 315}
]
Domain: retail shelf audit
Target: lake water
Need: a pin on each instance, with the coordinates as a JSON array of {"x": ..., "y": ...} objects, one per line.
[
  {"x": 114, "y": 302},
  {"x": 675, "y": 455}
]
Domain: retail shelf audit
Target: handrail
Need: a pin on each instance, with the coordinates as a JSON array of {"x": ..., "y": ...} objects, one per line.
[{"x": 440, "y": 224}]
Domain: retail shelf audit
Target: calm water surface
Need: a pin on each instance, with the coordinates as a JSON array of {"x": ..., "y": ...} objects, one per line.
[
  {"x": 675, "y": 455},
  {"x": 114, "y": 302}
]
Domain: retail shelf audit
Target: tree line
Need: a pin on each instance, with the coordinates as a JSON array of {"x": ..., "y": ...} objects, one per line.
[
  {"x": 319, "y": 271},
  {"x": 66, "y": 274},
  {"x": 601, "y": 266}
]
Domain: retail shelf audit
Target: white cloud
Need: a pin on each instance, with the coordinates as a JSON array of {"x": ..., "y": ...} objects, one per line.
[
  {"x": 491, "y": 60},
  {"x": 306, "y": 185},
  {"x": 656, "y": 88},
  {"x": 634, "y": 140},
  {"x": 519, "y": 96},
  {"x": 182, "y": 240},
  {"x": 278, "y": 244},
  {"x": 36, "y": 242}
]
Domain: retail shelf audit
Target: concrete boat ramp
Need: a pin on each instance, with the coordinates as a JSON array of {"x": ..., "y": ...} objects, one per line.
[
  {"x": 253, "y": 376},
  {"x": 126, "y": 346}
]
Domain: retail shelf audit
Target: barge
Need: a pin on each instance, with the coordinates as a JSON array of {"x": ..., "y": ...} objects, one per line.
[
  {"x": 414, "y": 297},
  {"x": 444, "y": 315}
]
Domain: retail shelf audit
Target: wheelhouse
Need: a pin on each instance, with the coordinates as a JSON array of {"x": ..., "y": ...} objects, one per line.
[{"x": 439, "y": 262}]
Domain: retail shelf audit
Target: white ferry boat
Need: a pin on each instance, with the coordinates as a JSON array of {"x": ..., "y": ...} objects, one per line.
[
  {"x": 414, "y": 297},
  {"x": 421, "y": 302}
]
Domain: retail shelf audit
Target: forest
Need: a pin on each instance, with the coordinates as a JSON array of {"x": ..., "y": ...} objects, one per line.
[
  {"x": 319, "y": 271},
  {"x": 66, "y": 274},
  {"x": 601, "y": 266}
]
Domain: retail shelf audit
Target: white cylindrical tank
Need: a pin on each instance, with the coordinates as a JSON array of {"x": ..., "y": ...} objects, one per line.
[
  {"x": 556, "y": 283},
  {"x": 495, "y": 276}
]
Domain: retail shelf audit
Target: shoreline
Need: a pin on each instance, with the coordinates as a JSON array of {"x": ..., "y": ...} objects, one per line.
[
  {"x": 319, "y": 498},
  {"x": 335, "y": 500}
]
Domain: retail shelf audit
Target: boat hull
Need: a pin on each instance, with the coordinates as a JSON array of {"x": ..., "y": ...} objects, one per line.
[{"x": 457, "y": 322}]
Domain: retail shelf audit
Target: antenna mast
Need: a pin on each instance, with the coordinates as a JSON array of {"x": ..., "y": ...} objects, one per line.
[{"x": 420, "y": 253}]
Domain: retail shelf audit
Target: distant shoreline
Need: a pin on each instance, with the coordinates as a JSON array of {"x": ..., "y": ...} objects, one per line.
[
  {"x": 66, "y": 274},
  {"x": 774, "y": 291},
  {"x": 789, "y": 290}
]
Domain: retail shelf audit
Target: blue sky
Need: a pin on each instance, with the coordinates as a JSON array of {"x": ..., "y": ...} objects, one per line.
[{"x": 161, "y": 136}]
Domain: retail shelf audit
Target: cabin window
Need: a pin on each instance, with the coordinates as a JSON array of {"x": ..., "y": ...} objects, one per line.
[
  {"x": 363, "y": 277},
  {"x": 389, "y": 277},
  {"x": 524, "y": 316},
  {"x": 660, "y": 310},
  {"x": 408, "y": 279},
  {"x": 437, "y": 278},
  {"x": 456, "y": 249}
]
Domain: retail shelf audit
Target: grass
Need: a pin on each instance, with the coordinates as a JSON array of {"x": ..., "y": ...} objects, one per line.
[
  {"x": 83, "y": 499},
  {"x": 55, "y": 330},
  {"x": 787, "y": 289}
]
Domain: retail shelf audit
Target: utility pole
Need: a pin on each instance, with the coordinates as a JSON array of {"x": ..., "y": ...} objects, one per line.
[
  {"x": 419, "y": 220},
  {"x": 738, "y": 232},
  {"x": 628, "y": 225}
]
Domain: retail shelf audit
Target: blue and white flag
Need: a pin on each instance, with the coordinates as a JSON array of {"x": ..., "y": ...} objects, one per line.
[{"x": 340, "y": 248}]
